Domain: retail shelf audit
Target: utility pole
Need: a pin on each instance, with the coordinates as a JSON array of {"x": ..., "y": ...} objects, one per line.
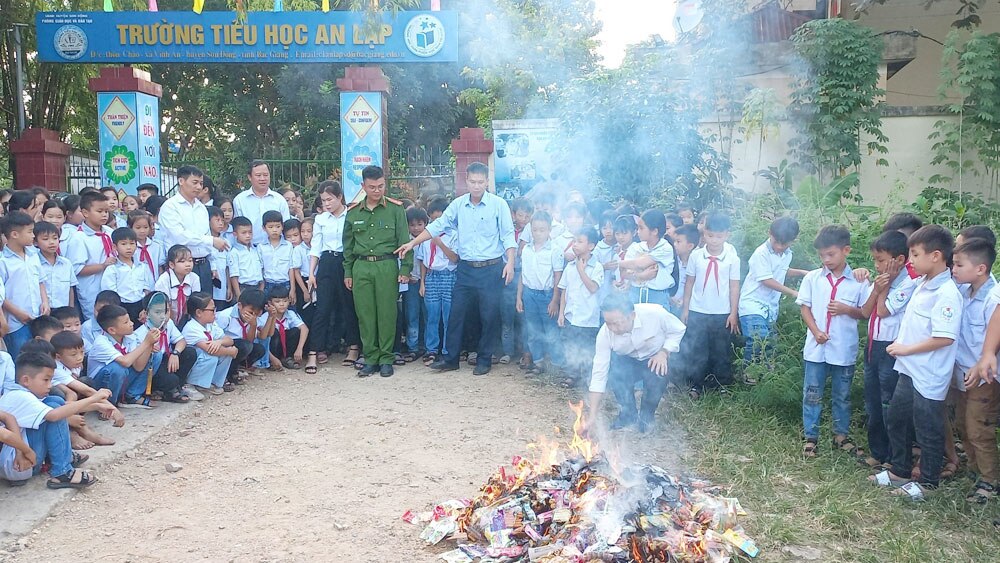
[{"x": 19, "y": 76}]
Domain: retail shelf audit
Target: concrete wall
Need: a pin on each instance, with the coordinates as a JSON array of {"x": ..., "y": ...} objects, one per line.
[{"x": 910, "y": 154}]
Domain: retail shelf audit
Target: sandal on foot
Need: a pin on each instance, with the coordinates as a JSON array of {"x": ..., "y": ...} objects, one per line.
[
  {"x": 322, "y": 358},
  {"x": 846, "y": 444},
  {"x": 430, "y": 359},
  {"x": 870, "y": 462},
  {"x": 809, "y": 449},
  {"x": 949, "y": 470},
  {"x": 311, "y": 370},
  {"x": 983, "y": 493},
  {"x": 290, "y": 363},
  {"x": 275, "y": 367},
  {"x": 79, "y": 459},
  {"x": 408, "y": 357},
  {"x": 76, "y": 479},
  {"x": 228, "y": 387},
  {"x": 359, "y": 363},
  {"x": 176, "y": 396},
  {"x": 694, "y": 394},
  {"x": 887, "y": 479},
  {"x": 398, "y": 360}
]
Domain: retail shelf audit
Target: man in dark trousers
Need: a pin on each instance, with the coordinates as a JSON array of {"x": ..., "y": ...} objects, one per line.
[
  {"x": 373, "y": 230},
  {"x": 485, "y": 236}
]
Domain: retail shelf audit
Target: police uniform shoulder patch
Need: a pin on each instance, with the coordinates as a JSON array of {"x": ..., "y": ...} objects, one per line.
[
  {"x": 396, "y": 201},
  {"x": 353, "y": 205}
]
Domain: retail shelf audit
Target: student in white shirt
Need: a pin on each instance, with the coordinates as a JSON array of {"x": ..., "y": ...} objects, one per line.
[
  {"x": 178, "y": 282},
  {"x": 129, "y": 278},
  {"x": 178, "y": 359},
  {"x": 762, "y": 289},
  {"x": 91, "y": 250},
  {"x": 579, "y": 311},
  {"x": 687, "y": 239},
  {"x": 43, "y": 422},
  {"x": 710, "y": 310},
  {"x": 118, "y": 359},
  {"x": 245, "y": 268},
  {"x": 830, "y": 300},
  {"x": 57, "y": 271},
  {"x": 275, "y": 254},
  {"x": 149, "y": 251},
  {"x": 292, "y": 231},
  {"x": 21, "y": 273},
  {"x": 634, "y": 344},
  {"x": 542, "y": 266},
  {"x": 605, "y": 252},
  {"x": 290, "y": 339},
  {"x": 650, "y": 266},
  {"x": 89, "y": 329},
  {"x": 221, "y": 288},
  {"x": 884, "y": 305},
  {"x": 978, "y": 403},
  {"x": 334, "y": 320},
  {"x": 624, "y": 228},
  {"x": 215, "y": 350},
  {"x": 925, "y": 354},
  {"x": 246, "y": 323}
]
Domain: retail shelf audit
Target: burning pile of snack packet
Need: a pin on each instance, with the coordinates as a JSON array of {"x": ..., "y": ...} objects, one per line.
[{"x": 576, "y": 506}]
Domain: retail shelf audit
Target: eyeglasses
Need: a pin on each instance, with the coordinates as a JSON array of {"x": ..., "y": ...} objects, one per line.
[{"x": 208, "y": 309}]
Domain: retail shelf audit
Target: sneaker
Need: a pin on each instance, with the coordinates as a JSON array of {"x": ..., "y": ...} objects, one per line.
[
  {"x": 505, "y": 359},
  {"x": 192, "y": 393}
]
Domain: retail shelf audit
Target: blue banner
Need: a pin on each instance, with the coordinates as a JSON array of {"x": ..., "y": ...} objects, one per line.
[
  {"x": 128, "y": 126},
  {"x": 361, "y": 115},
  {"x": 264, "y": 37}
]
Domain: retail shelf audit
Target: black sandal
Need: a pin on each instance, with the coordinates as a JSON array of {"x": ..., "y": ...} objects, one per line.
[
  {"x": 809, "y": 449},
  {"x": 983, "y": 493},
  {"x": 176, "y": 396},
  {"x": 79, "y": 459},
  {"x": 846, "y": 444},
  {"x": 398, "y": 360},
  {"x": 409, "y": 357},
  {"x": 694, "y": 394},
  {"x": 83, "y": 479}
]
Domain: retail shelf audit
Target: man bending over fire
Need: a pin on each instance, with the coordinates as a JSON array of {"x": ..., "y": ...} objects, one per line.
[{"x": 635, "y": 343}]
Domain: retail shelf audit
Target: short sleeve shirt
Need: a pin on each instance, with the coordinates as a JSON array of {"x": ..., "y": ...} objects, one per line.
[
  {"x": 818, "y": 289},
  {"x": 582, "y": 307},
  {"x": 755, "y": 297},
  {"x": 105, "y": 350},
  {"x": 710, "y": 294},
  {"x": 23, "y": 405}
]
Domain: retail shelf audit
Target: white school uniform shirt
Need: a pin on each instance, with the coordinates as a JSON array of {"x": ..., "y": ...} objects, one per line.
[
  {"x": 976, "y": 312},
  {"x": 89, "y": 330},
  {"x": 290, "y": 319},
  {"x": 900, "y": 291},
  {"x": 328, "y": 233},
  {"x": 605, "y": 253},
  {"x": 105, "y": 350},
  {"x": 85, "y": 249},
  {"x": 65, "y": 233},
  {"x": 764, "y": 264},
  {"x": 195, "y": 332},
  {"x": 276, "y": 260},
  {"x": 678, "y": 298},
  {"x": 23, "y": 405},
  {"x": 63, "y": 375},
  {"x": 935, "y": 311},
  {"x": 250, "y": 205},
  {"x": 711, "y": 290},
  {"x": 157, "y": 255},
  {"x": 623, "y": 254},
  {"x": 653, "y": 329},
  {"x": 582, "y": 306},
  {"x": 185, "y": 222},
  {"x": 300, "y": 259},
  {"x": 538, "y": 266},
  {"x": 816, "y": 292},
  {"x": 21, "y": 278},
  {"x": 230, "y": 322},
  {"x": 59, "y": 278},
  {"x": 563, "y": 241},
  {"x": 169, "y": 284},
  {"x": 7, "y": 378},
  {"x": 244, "y": 262},
  {"x": 434, "y": 258},
  {"x": 219, "y": 260},
  {"x": 173, "y": 334},
  {"x": 130, "y": 282},
  {"x": 663, "y": 255}
]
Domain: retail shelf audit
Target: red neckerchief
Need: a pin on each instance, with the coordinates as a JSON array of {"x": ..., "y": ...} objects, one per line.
[
  {"x": 208, "y": 335},
  {"x": 109, "y": 247},
  {"x": 164, "y": 343},
  {"x": 833, "y": 297},
  {"x": 145, "y": 257},
  {"x": 433, "y": 252},
  {"x": 909, "y": 270},
  {"x": 181, "y": 299},
  {"x": 712, "y": 268},
  {"x": 245, "y": 327},
  {"x": 281, "y": 335},
  {"x": 874, "y": 327}
]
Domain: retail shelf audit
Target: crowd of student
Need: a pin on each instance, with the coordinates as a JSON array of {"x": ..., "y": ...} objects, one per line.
[{"x": 593, "y": 287}]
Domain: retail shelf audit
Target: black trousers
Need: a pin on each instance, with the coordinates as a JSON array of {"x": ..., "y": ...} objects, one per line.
[
  {"x": 707, "y": 350},
  {"x": 203, "y": 269},
  {"x": 247, "y": 352},
  {"x": 624, "y": 372},
  {"x": 292, "y": 336},
  {"x": 334, "y": 319},
  {"x": 909, "y": 411},
  {"x": 479, "y": 288},
  {"x": 164, "y": 380},
  {"x": 133, "y": 311}
]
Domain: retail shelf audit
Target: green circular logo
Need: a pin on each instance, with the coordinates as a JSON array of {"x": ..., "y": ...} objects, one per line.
[{"x": 120, "y": 164}]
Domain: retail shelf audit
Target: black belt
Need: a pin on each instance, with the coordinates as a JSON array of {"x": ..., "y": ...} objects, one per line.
[
  {"x": 200, "y": 260},
  {"x": 332, "y": 253},
  {"x": 377, "y": 258},
  {"x": 483, "y": 263}
]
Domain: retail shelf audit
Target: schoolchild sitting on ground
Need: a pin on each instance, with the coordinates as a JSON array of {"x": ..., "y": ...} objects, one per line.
[
  {"x": 42, "y": 418},
  {"x": 16, "y": 456},
  {"x": 291, "y": 336},
  {"x": 21, "y": 274},
  {"x": 68, "y": 348},
  {"x": 90, "y": 330},
  {"x": 170, "y": 378},
  {"x": 925, "y": 354},
  {"x": 57, "y": 271},
  {"x": 69, "y": 317},
  {"x": 44, "y": 327},
  {"x": 884, "y": 306},
  {"x": 245, "y": 323},
  {"x": 127, "y": 277},
  {"x": 215, "y": 350},
  {"x": 179, "y": 282},
  {"x": 118, "y": 358},
  {"x": 830, "y": 301}
]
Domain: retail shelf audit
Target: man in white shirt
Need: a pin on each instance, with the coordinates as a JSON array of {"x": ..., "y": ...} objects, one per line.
[
  {"x": 183, "y": 219},
  {"x": 635, "y": 343},
  {"x": 260, "y": 198}
]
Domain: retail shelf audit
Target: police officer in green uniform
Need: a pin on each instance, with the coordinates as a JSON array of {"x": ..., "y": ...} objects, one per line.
[{"x": 374, "y": 229}]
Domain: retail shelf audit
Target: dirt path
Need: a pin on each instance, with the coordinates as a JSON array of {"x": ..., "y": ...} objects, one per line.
[{"x": 296, "y": 468}]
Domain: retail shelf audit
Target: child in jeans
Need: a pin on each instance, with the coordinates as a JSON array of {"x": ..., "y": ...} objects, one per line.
[
  {"x": 510, "y": 318},
  {"x": 763, "y": 287},
  {"x": 118, "y": 358},
  {"x": 416, "y": 219},
  {"x": 830, "y": 300},
  {"x": 925, "y": 354},
  {"x": 21, "y": 273},
  {"x": 541, "y": 270},
  {"x": 579, "y": 311},
  {"x": 219, "y": 259},
  {"x": 438, "y": 262},
  {"x": 43, "y": 421}
]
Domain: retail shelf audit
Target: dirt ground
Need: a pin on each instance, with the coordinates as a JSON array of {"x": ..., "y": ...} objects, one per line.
[{"x": 295, "y": 467}]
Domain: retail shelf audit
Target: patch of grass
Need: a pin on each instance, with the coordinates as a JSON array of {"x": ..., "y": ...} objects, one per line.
[{"x": 826, "y": 503}]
